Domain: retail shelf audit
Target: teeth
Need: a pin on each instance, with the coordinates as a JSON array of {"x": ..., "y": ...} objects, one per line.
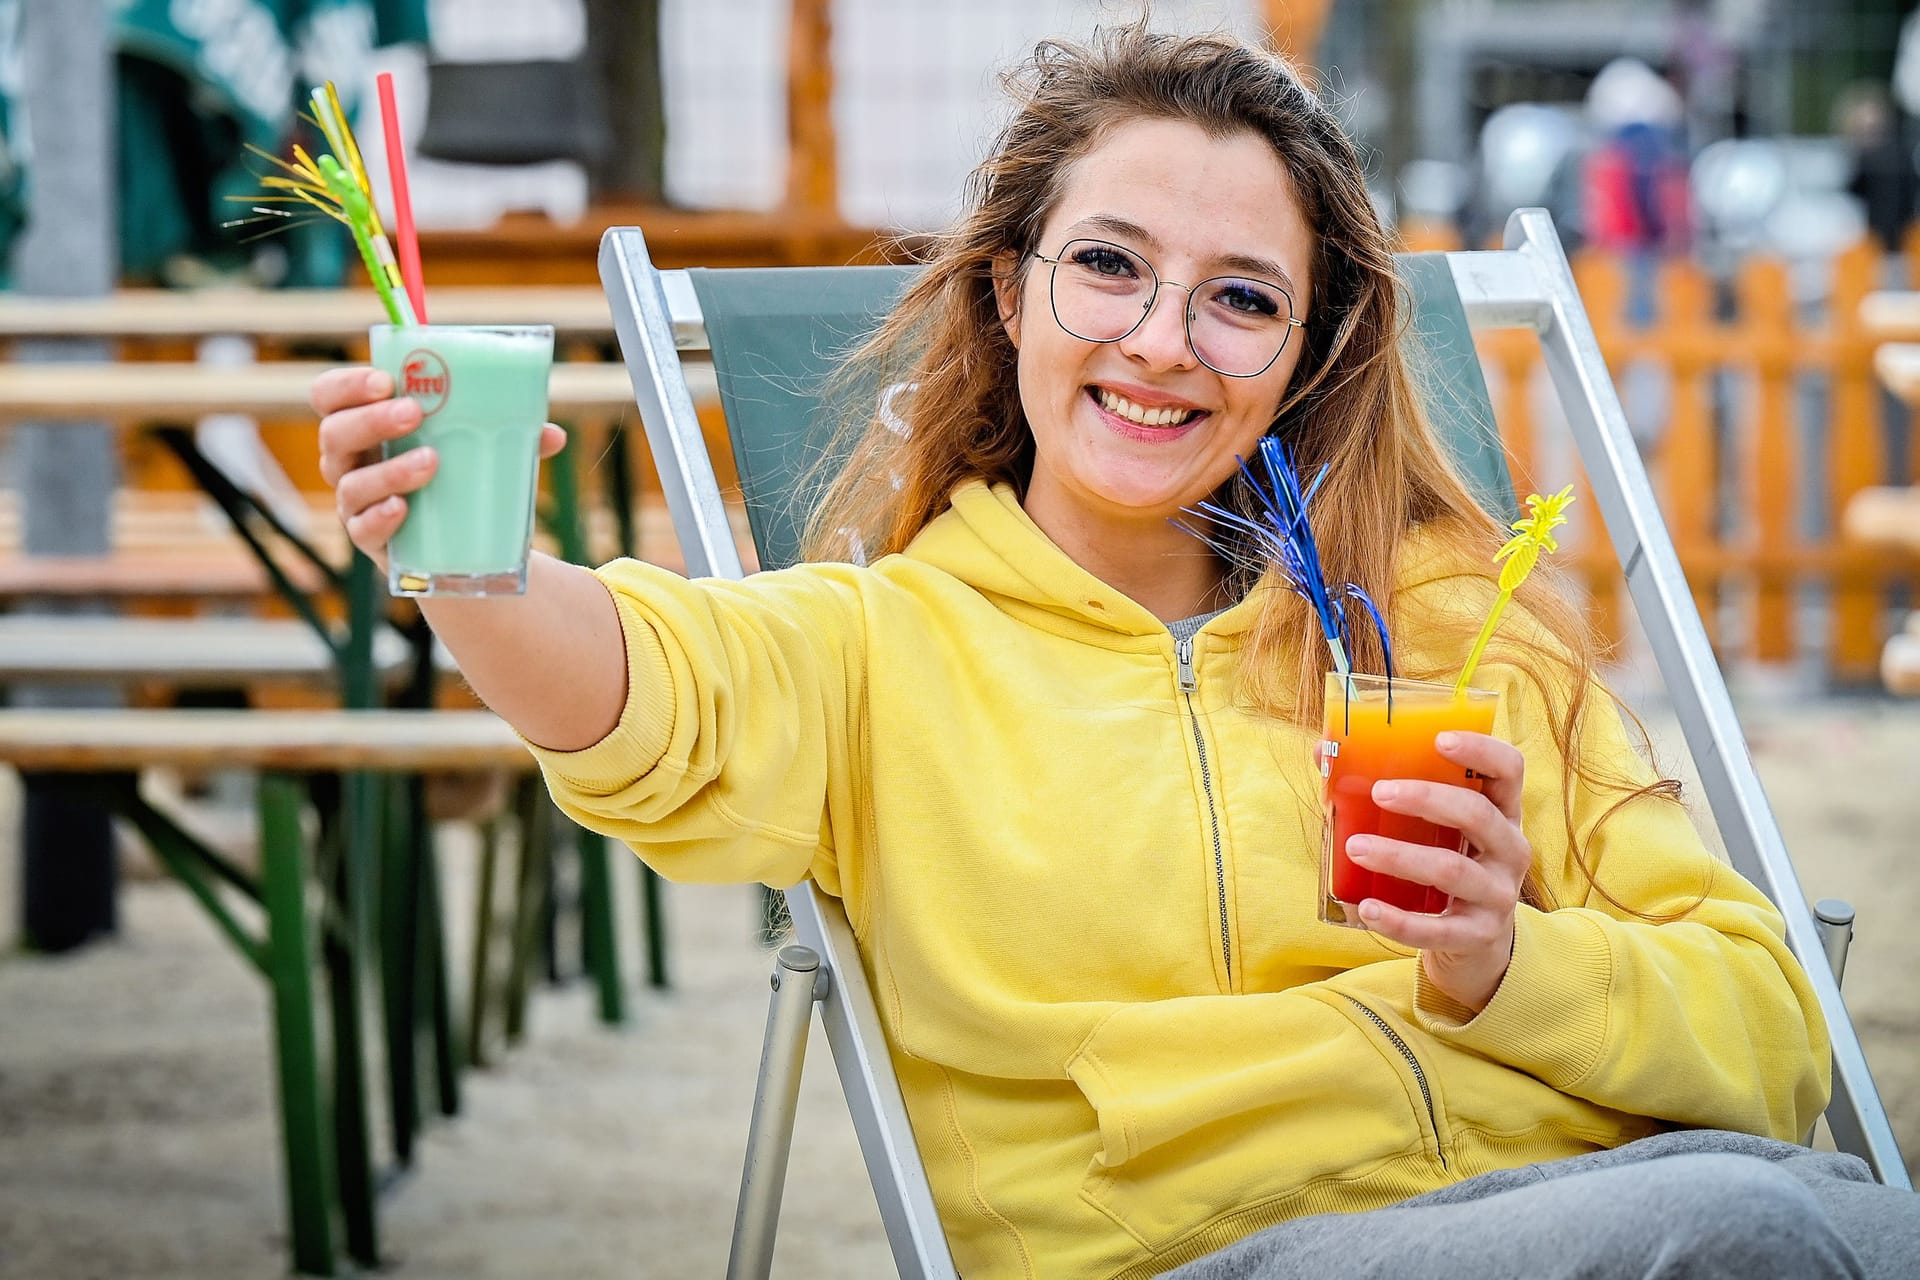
[{"x": 1122, "y": 407}]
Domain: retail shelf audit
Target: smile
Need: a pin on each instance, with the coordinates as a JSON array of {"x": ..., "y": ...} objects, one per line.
[{"x": 1118, "y": 406}]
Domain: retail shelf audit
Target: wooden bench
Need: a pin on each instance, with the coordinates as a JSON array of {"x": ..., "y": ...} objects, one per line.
[
  {"x": 128, "y": 393},
  {"x": 197, "y": 653},
  {"x": 1891, "y": 316},
  {"x": 1886, "y": 516},
  {"x": 293, "y": 313},
  {"x": 297, "y": 741},
  {"x": 1898, "y": 364},
  {"x": 175, "y": 545},
  {"x": 1900, "y": 660},
  {"x": 322, "y": 1093},
  {"x": 1890, "y": 516}
]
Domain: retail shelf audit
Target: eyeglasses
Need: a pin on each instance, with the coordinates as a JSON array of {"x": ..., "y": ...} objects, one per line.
[{"x": 1236, "y": 326}]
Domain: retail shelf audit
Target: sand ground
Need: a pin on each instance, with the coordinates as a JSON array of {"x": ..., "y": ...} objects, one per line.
[{"x": 137, "y": 1136}]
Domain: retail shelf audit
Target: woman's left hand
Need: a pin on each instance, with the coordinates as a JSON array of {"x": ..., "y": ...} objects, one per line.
[{"x": 1464, "y": 950}]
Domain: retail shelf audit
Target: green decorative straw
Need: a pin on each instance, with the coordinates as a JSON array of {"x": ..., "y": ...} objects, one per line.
[
  {"x": 359, "y": 219},
  {"x": 336, "y": 185},
  {"x": 1533, "y": 534}
]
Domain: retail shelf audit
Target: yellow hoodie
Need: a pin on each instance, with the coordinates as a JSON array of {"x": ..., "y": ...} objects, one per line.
[{"x": 1086, "y": 904}]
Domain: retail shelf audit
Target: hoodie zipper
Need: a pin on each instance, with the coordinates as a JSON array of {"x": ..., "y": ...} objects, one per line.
[
  {"x": 1419, "y": 1075},
  {"x": 1183, "y": 653}
]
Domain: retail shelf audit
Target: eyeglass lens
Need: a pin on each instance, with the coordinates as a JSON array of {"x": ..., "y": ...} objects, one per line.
[{"x": 1101, "y": 293}]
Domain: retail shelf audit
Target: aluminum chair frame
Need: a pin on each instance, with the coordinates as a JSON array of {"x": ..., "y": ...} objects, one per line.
[{"x": 1528, "y": 285}]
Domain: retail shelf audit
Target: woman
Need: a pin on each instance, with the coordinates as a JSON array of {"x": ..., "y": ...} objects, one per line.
[{"x": 1055, "y": 756}]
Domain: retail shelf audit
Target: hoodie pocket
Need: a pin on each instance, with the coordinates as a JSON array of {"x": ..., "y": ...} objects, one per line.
[
  {"x": 1213, "y": 1106},
  {"x": 1427, "y": 1084}
]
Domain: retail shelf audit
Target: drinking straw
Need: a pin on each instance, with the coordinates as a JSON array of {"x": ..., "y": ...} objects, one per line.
[
  {"x": 358, "y": 212},
  {"x": 403, "y": 228},
  {"x": 326, "y": 103},
  {"x": 336, "y": 185},
  {"x": 1533, "y": 534},
  {"x": 1284, "y": 532}
]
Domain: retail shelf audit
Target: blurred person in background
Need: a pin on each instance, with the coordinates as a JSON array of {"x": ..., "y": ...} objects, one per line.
[
  {"x": 1636, "y": 207},
  {"x": 1636, "y": 171},
  {"x": 1884, "y": 178}
]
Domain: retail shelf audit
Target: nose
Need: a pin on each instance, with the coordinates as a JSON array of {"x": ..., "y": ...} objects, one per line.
[{"x": 1160, "y": 339}]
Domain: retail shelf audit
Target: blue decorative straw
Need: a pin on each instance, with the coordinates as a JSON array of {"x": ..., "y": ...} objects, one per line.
[{"x": 1283, "y": 531}]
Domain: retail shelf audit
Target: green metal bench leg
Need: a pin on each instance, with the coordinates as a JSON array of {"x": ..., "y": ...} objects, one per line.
[
  {"x": 654, "y": 922},
  {"x": 600, "y": 938},
  {"x": 399, "y": 908},
  {"x": 596, "y": 893},
  {"x": 480, "y": 983},
  {"x": 343, "y": 953},
  {"x": 290, "y": 962},
  {"x": 618, "y": 470},
  {"x": 536, "y": 826},
  {"x": 435, "y": 1005}
]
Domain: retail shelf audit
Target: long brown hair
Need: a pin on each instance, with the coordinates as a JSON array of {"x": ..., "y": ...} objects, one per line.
[{"x": 953, "y": 411}]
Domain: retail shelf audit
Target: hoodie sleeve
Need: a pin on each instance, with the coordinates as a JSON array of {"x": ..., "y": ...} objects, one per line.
[
  {"x": 730, "y": 760},
  {"x": 1661, "y": 985}
]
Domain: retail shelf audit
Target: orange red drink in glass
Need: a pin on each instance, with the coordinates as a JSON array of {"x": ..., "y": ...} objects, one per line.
[{"x": 1378, "y": 730}]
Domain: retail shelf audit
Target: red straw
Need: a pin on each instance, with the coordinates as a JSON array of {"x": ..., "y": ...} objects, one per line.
[{"x": 409, "y": 245}]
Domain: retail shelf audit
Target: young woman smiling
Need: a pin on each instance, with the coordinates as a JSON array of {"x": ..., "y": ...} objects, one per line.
[{"x": 1056, "y": 757}]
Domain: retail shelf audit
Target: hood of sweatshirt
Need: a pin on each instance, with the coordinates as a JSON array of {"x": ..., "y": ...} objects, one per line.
[{"x": 986, "y": 540}]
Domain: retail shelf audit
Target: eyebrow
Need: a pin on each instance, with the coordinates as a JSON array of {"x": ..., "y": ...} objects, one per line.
[{"x": 1241, "y": 263}]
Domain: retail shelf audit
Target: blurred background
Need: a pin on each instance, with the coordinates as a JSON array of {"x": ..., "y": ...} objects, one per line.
[{"x": 1736, "y": 181}]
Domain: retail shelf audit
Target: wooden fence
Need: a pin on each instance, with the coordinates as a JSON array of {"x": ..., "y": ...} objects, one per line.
[{"x": 1770, "y": 424}]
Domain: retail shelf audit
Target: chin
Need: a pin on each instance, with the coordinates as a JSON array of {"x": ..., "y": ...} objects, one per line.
[{"x": 1147, "y": 497}]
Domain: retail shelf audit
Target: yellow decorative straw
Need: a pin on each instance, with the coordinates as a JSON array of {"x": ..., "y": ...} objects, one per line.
[
  {"x": 1533, "y": 534},
  {"x": 336, "y": 185}
]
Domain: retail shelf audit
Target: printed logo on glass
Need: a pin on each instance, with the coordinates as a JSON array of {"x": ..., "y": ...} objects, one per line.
[{"x": 424, "y": 377}]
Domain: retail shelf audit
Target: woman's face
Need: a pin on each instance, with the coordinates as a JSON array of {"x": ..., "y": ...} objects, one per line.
[{"x": 1136, "y": 429}]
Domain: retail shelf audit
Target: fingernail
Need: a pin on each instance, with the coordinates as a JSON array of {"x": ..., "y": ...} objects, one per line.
[
  {"x": 1357, "y": 848},
  {"x": 421, "y": 458},
  {"x": 1370, "y": 911},
  {"x": 378, "y": 383},
  {"x": 1388, "y": 791},
  {"x": 1447, "y": 741}
]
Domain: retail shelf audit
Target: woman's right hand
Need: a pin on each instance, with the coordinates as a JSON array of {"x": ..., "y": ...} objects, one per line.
[{"x": 357, "y": 416}]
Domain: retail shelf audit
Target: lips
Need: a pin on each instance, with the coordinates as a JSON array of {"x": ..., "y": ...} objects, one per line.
[{"x": 1163, "y": 425}]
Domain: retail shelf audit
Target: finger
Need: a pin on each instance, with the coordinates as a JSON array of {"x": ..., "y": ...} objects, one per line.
[
  {"x": 1445, "y": 934},
  {"x": 552, "y": 440},
  {"x": 350, "y": 438},
  {"x": 1499, "y": 763},
  {"x": 1442, "y": 933},
  {"x": 367, "y": 486},
  {"x": 338, "y": 389},
  {"x": 1451, "y": 806},
  {"x": 1454, "y": 874},
  {"x": 372, "y": 529}
]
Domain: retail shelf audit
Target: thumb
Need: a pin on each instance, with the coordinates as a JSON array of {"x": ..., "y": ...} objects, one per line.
[{"x": 552, "y": 440}]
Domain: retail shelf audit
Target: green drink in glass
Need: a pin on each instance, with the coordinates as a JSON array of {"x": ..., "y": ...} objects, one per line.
[{"x": 482, "y": 391}]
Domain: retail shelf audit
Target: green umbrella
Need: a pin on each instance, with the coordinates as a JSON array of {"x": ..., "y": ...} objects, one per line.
[
  {"x": 13, "y": 172},
  {"x": 198, "y": 84}
]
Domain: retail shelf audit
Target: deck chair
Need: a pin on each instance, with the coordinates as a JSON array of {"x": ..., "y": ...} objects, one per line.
[{"x": 773, "y": 334}]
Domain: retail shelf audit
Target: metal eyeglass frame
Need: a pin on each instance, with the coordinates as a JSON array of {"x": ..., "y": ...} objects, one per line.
[{"x": 1186, "y": 324}]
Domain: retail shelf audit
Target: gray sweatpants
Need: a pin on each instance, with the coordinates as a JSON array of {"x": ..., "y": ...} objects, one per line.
[{"x": 1695, "y": 1203}]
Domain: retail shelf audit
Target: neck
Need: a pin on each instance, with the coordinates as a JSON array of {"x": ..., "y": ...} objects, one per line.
[{"x": 1168, "y": 572}]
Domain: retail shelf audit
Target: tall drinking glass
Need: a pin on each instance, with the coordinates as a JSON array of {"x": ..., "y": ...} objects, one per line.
[
  {"x": 483, "y": 398},
  {"x": 1376, "y": 730}
]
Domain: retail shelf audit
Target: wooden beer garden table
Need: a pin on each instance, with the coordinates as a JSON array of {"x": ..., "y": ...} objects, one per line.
[
  {"x": 300, "y": 756},
  {"x": 360, "y": 765}
]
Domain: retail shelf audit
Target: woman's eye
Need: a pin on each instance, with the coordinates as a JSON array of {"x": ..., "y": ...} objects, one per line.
[
  {"x": 1246, "y": 298},
  {"x": 1105, "y": 262}
]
